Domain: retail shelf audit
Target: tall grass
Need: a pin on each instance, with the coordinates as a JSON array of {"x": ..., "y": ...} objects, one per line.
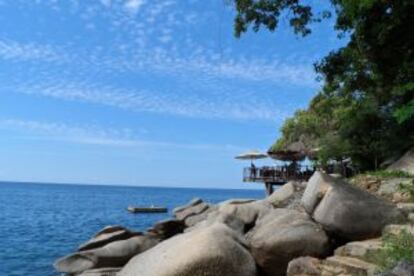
[
  {"x": 389, "y": 174},
  {"x": 407, "y": 188},
  {"x": 396, "y": 248}
]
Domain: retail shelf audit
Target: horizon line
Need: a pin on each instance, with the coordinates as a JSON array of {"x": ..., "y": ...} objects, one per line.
[{"x": 119, "y": 185}]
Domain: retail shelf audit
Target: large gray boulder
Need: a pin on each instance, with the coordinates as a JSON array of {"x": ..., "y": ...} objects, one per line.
[
  {"x": 105, "y": 271},
  {"x": 283, "y": 235},
  {"x": 216, "y": 216},
  {"x": 114, "y": 254},
  {"x": 282, "y": 195},
  {"x": 238, "y": 214},
  {"x": 196, "y": 218},
  {"x": 110, "y": 229},
  {"x": 248, "y": 212},
  {"x": 237, "y": 201},
  {"x": 195, "y": 207},
  {"x": 346, "y": 211},
  {"x": 193, "y": 212},
  {"x": 213, "y": 251},
  {"x": 389, "y": 187},
  {"x": 167, "y": 228},
  {"x": 288, "y": 195},
  {"x": 107, "y": 235},
  {"x": 304, "y": 266},
  {"x": 193, "y": 202}
]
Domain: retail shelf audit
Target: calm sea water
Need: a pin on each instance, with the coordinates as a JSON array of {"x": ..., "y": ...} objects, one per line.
[{"x": 42, "y": 222}]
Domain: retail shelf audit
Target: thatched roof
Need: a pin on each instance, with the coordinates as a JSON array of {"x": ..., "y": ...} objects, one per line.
[
  {"x": 296, "y": 151},
  {"x": 251, "y": 155}
]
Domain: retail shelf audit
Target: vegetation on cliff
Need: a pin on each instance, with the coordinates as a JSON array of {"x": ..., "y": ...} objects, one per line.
[
  {"x": 365, "y": 109},
  {"x": 396, "y": 248}
]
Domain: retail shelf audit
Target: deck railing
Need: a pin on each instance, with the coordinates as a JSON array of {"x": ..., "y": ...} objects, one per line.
[{"x": 277, "y": 174}]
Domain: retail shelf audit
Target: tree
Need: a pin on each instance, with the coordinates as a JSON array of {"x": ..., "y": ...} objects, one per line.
[{"x": 366, "y": 106}]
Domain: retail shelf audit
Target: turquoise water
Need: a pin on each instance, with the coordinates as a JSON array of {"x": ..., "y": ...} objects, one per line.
[{"x": 41, "y": 222}]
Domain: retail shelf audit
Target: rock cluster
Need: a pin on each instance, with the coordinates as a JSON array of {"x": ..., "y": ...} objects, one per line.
[
  {"x": 286, "y": 233},
  {"x": 345, "y": 211},
  {"x": 388, "y": 188},
  {"x": 213, "y": 251}
]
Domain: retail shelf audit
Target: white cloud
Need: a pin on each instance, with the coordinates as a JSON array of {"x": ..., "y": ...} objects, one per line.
[
  {"x": 13, "y": 50},
  {"x": 196, "y": 106},
  {"x": 199, "y": 65},
  {"x": 165, "y": 38},
  {"x": 59, "y": 131},
  {"x": 133, "y": 6},
  {"x": 92, "y": 135},
  {"x": 106, "y": 3},
  {"x": 211, "y": 86},
  {"x": 208, "y": 94}
]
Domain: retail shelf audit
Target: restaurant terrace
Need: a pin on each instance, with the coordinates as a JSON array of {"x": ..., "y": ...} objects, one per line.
[{"x": 277, "y": 174}]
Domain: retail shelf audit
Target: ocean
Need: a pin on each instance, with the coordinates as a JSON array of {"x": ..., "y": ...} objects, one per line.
[{"x": 42, "y": 222}]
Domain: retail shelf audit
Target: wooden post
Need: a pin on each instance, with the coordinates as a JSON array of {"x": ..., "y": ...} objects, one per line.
[{"x": 269, "y": 188}]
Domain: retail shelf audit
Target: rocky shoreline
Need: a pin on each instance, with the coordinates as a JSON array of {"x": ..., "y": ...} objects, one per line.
[{"x": 323, "y": 227}]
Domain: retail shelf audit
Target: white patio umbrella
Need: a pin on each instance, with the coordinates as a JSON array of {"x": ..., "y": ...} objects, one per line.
[{"x": 251, "y": 155}]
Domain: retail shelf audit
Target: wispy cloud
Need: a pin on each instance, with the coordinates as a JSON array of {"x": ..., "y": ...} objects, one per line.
[
  {"x": 133, "y": 6},
  {"x": 76, "y": 134},
  {"x": 15, "y": 51},
  {"x": 93, "y": 135},
  {"x": 106, "y": 3},
  {"x": 194, "y": 106},
  {"x": 225, "y": 99},
  {"x": 159, "y": 60},
  {"x": 156, "y": 42}
]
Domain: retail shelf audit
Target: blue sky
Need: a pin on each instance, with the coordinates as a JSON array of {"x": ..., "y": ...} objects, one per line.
[{"x": 144, "y": 92}]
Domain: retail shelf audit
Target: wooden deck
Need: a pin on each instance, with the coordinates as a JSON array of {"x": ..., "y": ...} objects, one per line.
[{"x": 277, "y": 175}]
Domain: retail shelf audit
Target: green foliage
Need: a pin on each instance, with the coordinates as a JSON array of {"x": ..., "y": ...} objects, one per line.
[
  {"x": 405, "y": 112},
  {"x": 267, "y": 13},
  {"x": 384, "y": 174},
  {"x": 408, "y": 188},
  {"x": 365, "y": 109},
  {"x": 396, "y": 248},
  {"x": 333, "y": 148},
  {"x": 302, "y": 127}
]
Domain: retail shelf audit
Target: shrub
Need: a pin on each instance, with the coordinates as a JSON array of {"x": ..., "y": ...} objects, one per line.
[
  {"x": 407, "y": 188},
  {"x": 396, "y": 248},
  {"x": 390, "y": 174}
]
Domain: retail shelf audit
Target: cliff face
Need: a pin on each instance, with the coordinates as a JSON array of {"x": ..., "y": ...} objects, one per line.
[
  {"x": 405, "y": 163},
  {"x": 250, "y": 237}
]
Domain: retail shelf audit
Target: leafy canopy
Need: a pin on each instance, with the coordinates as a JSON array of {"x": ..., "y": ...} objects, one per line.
[{"x": 365, "y": 109}]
